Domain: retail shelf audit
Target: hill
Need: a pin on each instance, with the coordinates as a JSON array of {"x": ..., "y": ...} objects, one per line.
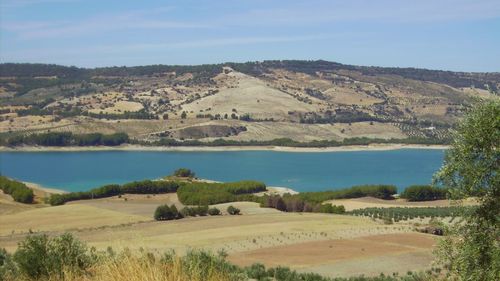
[{"x": 301, "y": 100}]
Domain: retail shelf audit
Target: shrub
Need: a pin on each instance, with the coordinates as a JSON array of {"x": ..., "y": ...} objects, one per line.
[
  {"x": 184, "y": 173},
  {"x": 39, "y": 256},
  {"x": 213, "y": 211},
  {"x": 194, "y": 211},
  {"x": 18, "y": 190},
  {"x": 165, "y": 212},
  {"x": 423, "y": 193},
  {"x": 232, "y": 210}
]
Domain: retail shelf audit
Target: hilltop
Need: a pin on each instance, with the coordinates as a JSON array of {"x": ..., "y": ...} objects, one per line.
[{"x": 300, "y": 100}]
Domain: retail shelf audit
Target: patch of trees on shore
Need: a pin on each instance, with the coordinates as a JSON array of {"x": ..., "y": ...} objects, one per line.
[
  {"x": 385, "y": 192},
  {"x": 424, "y": 193},
  {"x": 286, "y": 142},
  {"x": 93, "y": 139},
  {"x": 203, "y": 193},
  {"x": 136, "y": 187},
  {"x": 18, "y": 190},
  {"x": 314, "y": 201},
  {"x": 66, "y": 139}
]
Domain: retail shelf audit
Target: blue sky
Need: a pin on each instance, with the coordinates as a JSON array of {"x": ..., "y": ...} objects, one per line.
[{"x": 462, "y": 35}]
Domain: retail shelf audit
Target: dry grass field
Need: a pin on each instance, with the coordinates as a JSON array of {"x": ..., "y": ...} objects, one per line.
[
  {"x": 332, "y": 245},
  {"x": 251, "y": 96}
]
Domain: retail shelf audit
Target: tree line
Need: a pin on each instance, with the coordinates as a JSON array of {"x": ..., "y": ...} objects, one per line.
[
  {"x": 424, "y": 193},
  {"x": 18, "y": 190},
  {"x": 377, "y": 191},
  {"x": 92, "y": 139},
  {"x": 203, "y": 193},
  {"x": 136, "y": 187},
  {"x": 166, "y": 212},
  {"x": 66, "y": 139}
]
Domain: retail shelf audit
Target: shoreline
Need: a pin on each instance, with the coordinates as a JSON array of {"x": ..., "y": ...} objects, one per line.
[{"x": 370, "y": 147}]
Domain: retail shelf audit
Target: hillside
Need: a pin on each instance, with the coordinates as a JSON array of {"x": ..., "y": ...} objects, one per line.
[{"x": 301, "y": 100}]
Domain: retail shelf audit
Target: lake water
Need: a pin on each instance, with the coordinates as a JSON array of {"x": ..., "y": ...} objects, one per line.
[{"x": 314, "y": 171}]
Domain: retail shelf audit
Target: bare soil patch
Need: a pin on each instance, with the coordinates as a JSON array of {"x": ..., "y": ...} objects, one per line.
[{"x": 348, "y": 252}]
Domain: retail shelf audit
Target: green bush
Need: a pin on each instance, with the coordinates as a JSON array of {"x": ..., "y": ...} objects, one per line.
[
  {"x": 232, "y": 210},
  {"x": 194, "y": 211},
  {"x": 184, "y": 173},
  {"x": 424, "y": 193},
  {"x": 202, "y": 193},
  {"x": 165, "y": 212},
  {"x": 213, "y": 211},
  {"x": 18, "y": 190},
  {"x": 39, "y": 256}
]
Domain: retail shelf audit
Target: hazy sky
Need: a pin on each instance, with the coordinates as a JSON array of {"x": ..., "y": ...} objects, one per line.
[{"x": 459, "y": 35}]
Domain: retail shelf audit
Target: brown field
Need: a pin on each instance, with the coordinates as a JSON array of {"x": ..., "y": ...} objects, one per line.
[{"x": 338, "y": 257}]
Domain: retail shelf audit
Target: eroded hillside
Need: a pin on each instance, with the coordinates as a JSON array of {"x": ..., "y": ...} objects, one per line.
[{"x": 301, "y": 100}]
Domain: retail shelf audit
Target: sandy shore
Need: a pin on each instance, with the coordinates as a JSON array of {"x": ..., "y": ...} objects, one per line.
[
  {"x": 371, "y": 147},
  {"x": 42, "y": 189}
]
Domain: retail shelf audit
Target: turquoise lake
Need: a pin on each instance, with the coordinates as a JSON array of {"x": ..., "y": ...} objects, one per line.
[{"x": 304, "y": 171}]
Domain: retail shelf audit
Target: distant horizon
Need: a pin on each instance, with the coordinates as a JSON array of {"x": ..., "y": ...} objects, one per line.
[
  {"x": 452, "y": 35},
  {"x": 228, "y": 62}
]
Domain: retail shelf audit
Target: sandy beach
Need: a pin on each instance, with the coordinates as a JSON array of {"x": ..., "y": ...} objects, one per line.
[{"x": 371, "y": 147}]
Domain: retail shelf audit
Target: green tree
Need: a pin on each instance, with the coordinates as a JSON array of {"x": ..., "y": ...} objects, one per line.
[
  {"x": 165, "y": 212},
  {"x": 184, "y": 173},
  {"x": 472, "y": 168}
]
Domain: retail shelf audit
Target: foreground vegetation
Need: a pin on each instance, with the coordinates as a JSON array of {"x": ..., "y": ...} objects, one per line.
[
  {"x": 472, "y": 168},
  {"x": 18, "y": 190},
  {"x": 40, "y": 257}
]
